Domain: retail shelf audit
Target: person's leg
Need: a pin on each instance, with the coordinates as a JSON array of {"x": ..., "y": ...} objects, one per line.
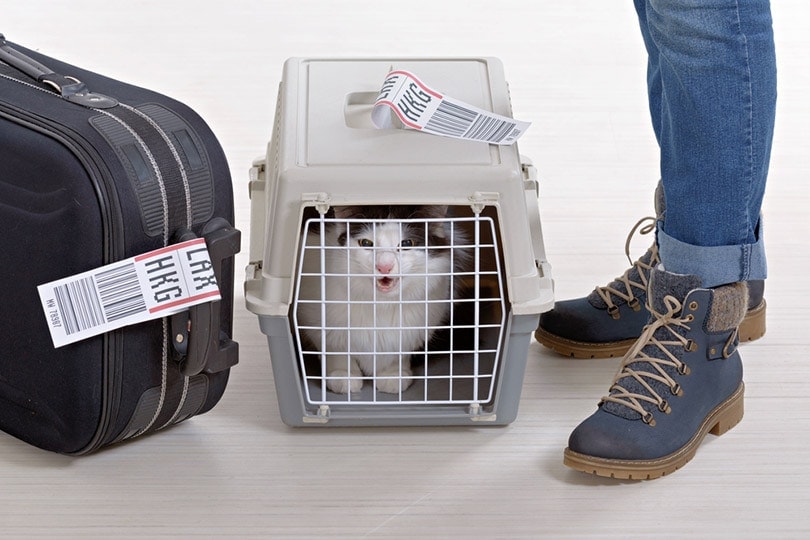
[
  {"x": 607, "y": 322},
  {"x": 654, "y": 83},
  {"x": 683, "y": 377},
  {"x": 718, "y": 89}
]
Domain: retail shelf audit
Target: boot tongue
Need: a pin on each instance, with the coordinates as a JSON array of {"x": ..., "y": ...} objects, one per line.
[
  {"x": 632, "y": 275},
  {"x": 664, "y": 284}
]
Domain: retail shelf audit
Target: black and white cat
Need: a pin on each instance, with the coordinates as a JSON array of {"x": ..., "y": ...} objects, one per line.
[{"x": 387, "y": 278}]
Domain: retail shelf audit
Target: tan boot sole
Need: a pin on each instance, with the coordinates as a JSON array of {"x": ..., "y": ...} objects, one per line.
[
  {"x": 724, "y": 417},
  {"x": 752, "y": 328},
  {"x": 582, "y": 349}
]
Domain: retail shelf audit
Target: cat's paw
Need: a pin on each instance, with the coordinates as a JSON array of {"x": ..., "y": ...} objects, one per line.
[
  {"x": 338, "y": 381},
  {"x": 391, "y": 381}
]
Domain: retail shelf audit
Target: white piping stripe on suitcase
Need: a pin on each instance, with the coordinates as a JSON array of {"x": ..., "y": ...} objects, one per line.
[
  {"x": 164, "y": 200},
  {"x": 189, "y": 223},
  {"x": 175, "y": 154},
  {"x": 153, "y": 163}
]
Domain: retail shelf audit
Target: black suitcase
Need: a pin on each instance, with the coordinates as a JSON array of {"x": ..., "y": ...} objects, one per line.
[{"x": 94, "y": 171}]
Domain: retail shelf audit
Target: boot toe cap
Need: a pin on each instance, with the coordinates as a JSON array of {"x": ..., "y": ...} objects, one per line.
[
  {"x": 579, "y": 320},
  {"x": 604, "y": 435}
]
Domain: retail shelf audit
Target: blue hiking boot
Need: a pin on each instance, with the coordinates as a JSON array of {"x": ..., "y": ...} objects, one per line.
[
  {"x": 681, "y": 380},
  {"x": 608, "y": 321}
]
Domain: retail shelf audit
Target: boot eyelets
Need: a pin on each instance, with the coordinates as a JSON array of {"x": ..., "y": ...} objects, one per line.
[
  {"x": 664, "y": 407},
  {"x": 691, "y": 346},
  {"x": 693, "y": 306},
  {"x": 648, "y": 419},
  {"x": 634, "y": 304},
  {"x": 676, "y": 390},
  {"x": 683, "y": 369},
  {"x": 613, "y": 311},
  {"x": 689, "y": 318}
]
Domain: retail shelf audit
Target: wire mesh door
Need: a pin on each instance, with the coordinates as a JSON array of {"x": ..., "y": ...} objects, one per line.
[{"x": 399, "y": 311}]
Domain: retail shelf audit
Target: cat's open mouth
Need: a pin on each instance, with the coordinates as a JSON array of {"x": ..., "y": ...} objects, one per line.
[{"x": 387, "y": 284}]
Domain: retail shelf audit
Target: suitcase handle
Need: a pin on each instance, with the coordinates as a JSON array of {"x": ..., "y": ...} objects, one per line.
[
  {"x": 70, "y": 88},
  {"x": 198, "y": 337}
]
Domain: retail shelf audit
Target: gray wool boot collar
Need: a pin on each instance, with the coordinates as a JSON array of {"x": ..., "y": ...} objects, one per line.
[
  {"x": 663, "y": 284},
  {"x": 729, "y": 302}
]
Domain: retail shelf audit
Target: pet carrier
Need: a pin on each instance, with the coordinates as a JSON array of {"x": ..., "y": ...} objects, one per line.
[{"x": 397, "y": 275}]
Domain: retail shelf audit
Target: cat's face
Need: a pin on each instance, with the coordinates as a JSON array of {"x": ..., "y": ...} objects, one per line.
[
  {"x": 399, "y": 253},
  {"x": 388, "y": 251}
]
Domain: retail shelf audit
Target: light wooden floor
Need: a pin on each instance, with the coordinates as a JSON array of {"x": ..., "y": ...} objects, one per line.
[{"x": 576, "y": 70}]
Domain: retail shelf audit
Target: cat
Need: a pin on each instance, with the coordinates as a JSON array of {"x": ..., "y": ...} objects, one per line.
[{"x": 387, "y": 285}]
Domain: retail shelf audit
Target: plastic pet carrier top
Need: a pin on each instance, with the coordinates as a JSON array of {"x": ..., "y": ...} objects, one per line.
[{"x": 397, "y": 275}]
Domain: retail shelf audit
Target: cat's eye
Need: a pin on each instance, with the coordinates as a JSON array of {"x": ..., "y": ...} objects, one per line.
[
  {"x": 365, "y": 242},
  {"x": 406, "y": 243}
]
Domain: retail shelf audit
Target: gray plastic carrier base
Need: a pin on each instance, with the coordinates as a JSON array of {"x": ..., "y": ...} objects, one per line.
[{"x": 415, "y": 406}]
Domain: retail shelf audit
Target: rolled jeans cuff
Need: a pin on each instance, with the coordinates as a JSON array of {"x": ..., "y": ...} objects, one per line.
[{"x": 715, "y": 265}]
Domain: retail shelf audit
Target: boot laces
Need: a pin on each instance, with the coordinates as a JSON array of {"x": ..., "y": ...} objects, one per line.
[
  {"x": 644, "y": 366},
  {"x": 623, "y": 287}
]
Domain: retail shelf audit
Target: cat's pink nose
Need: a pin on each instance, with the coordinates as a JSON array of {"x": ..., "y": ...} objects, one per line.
[{"x": 386, "y": 263}]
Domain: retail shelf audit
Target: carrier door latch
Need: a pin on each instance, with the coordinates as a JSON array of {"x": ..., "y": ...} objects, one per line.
[{"x": 481, "y": 199}]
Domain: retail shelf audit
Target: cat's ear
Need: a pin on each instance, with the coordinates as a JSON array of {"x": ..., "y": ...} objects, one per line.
[
  {"x": 433, "y": 211},
  {"x": 437, "y": 228},
  {"x": 348, "y": 212}
]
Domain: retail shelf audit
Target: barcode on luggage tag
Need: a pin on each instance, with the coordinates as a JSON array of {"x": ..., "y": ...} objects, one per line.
[
  {"x": 422, "y": 108},
  {"x": 148, "y": 286},
  {"x": 457, "y": 120}
]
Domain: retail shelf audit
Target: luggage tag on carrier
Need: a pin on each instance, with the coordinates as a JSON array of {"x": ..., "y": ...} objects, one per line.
[
  {"x": 421, "y": 108},
  {"x": 145, "y": 287}
]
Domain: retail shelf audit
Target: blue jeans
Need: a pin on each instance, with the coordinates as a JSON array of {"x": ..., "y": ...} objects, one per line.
[{"x": 712, "y": 92}]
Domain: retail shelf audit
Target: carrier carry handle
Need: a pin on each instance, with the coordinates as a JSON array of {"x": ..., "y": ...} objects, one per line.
[
  {"x": 197, "y": 336},
  {"x": 70, "y": 88}
]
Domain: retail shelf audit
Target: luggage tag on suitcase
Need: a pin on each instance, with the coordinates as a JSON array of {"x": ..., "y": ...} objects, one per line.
[{"x": 149, "y": 286}]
